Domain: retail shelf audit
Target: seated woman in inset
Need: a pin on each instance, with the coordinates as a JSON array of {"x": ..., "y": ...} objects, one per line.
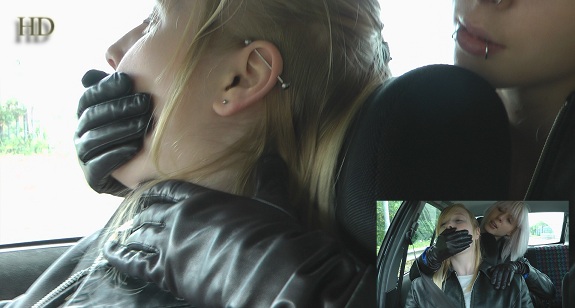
[{"x": 464, "y": 277}]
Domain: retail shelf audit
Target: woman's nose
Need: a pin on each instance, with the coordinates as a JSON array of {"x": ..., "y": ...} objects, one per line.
[
  {"x": 116, "y": 51},
  {"x": 114, "y": 54}
]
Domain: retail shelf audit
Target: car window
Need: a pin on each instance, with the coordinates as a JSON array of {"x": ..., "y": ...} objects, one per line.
[
  {"x": 424, "y": 235},
  {"x": 386, "y": 210},
  {"x": 545, "y": 227},
  {"x": 47, "y": 46},
  {"x": 423, "y": 38}
]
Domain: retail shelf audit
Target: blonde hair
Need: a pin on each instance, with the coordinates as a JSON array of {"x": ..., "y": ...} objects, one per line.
[
  {"x": 334, "y": 56},
  {"x": 441, "y": 275},
  {"x": 515, "y": 245}
]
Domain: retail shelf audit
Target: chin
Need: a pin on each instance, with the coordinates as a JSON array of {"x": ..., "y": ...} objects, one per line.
[
  {"x": 491, "y": 73},
  {"x": 134, "y": 172}
]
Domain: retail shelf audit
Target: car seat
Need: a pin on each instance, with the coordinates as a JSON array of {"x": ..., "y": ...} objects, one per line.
[
  {"x": 436, "y": 132},
  {"x": 439, "y": 132}
]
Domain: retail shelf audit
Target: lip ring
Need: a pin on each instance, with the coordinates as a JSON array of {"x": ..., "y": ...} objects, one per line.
[{"x": 475, "y": 41}]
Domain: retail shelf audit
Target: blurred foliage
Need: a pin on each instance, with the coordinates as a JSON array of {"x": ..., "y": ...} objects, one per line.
[{"x": 17, "y": 133}]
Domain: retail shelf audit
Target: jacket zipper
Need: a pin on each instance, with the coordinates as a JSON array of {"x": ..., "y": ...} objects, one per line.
[
  {"x": 69, "y": 282},
  {"x": 545, "y": 150}
]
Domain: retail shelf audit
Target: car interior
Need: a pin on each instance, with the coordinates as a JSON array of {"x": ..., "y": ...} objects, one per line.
[{"x": 550, "y": 258}]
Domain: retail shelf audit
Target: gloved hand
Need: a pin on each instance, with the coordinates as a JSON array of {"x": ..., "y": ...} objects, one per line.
[
  {"x": 502, "y": 274},
  {"x": 449, "y": 243},
  {"x": 221, "y": 250},
  {"x": 111, "y": 128}
]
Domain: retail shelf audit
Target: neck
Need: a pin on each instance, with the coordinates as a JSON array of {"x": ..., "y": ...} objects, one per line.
[
  {"x": 463, "y": 263},
  {"x": 531, "y": 112}
]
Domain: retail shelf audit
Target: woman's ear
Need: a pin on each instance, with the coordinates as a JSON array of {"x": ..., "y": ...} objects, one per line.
[{"x": 253, "y": 73}]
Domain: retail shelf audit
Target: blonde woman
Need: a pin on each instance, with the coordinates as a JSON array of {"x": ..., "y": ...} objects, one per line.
[
  {"x": 232, "y": 188},
  {"x": 504, "y": 239},
  {"x": 464, "y": 277}
]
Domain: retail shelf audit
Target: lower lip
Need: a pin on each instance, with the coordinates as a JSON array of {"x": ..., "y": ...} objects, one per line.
[
  {"x": 493, "y": 226},
  {"x": 475, "y": 45}
]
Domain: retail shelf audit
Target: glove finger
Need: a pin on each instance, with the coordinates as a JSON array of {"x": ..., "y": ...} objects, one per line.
[
  {"x": 133, "y": 259},
  {"x": 101, "y": 140},
  {"x": 136, "y": 105},
  {"x": 447, "y": 232},
  {"x": 111, "y": 87},
  {"x": 98, "y": 170},
  {"x": 508, "y": 276},
  {"x": 92, "y": 77},
  {"x": 461, "y": 242},
  {"x": 496, "y": 277}
]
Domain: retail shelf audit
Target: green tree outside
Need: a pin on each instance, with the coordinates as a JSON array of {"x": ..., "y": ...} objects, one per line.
[{"x": 17, "y": 134}]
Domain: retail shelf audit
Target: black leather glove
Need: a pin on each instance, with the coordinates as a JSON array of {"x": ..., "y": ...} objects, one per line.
[
  {"x": 220, "y": 250},
  {"x": 449, "y": 243},
  {"x": 111, "y": 128},
  {"x": 502, "y": 274}
]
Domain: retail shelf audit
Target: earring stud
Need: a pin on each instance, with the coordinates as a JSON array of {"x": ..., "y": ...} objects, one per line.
[
  {"x": 225, "y": 101},
  {"x": 284, "y": 84}
]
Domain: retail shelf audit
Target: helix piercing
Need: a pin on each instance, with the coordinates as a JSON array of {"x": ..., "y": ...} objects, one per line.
[{"x": 284, "y": 84}]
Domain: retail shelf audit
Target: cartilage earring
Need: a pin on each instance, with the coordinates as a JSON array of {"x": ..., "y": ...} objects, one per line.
[
  {"x": 486, "y": 49},
  {"x": 284, "y": 84}
]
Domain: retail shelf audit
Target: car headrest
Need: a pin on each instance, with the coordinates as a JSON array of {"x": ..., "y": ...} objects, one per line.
[{"x": 439, "y": 132}]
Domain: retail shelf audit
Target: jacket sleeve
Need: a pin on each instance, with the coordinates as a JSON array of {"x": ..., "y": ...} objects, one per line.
[
  {"x": 524, "y": 293},
  {"x": 411, "y": 301},
  {"x": 57, "y": 273},
  {"x": 216, "y": 249},
  {"x": 418, "y": 267},
  {"x": 538, "y": 283}
]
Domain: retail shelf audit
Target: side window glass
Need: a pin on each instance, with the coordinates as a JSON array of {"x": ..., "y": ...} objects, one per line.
[
  {"x": 545, "y": 227},
  {"x": 385, "y": 212},
  {"x": 424, "y": 234}
]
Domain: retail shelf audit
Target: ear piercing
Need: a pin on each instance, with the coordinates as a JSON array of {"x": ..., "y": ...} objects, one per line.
[
  {"x": 225, "y": 101},
  {"x": 284, "y": 84}
]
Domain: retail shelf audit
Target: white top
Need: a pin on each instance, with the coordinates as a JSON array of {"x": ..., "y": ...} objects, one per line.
[{"x": 465, "y": 282}]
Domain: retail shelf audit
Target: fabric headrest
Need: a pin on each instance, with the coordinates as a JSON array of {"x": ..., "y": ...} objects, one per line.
[{"x": 439, "y": 132}]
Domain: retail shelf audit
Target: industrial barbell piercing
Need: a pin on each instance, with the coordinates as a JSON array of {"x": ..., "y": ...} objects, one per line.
[{"x": 284, "y": 84}]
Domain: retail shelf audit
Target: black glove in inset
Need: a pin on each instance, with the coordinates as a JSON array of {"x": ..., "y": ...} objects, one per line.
[
  {"x": 111, "y": 128},
  {"x": 449, "y": 243},
  {"x": 502, "y": 274}
]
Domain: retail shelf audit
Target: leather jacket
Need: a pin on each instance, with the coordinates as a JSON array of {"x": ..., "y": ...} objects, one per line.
[
  {"x": 540, "y": 285},
  {"x": 483, "y": 294},
  {"x": 243, "y": 252},
  {"x": 554, "y": 176}
]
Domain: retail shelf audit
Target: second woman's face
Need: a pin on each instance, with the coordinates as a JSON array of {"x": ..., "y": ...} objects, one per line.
[
  {"x": 528, "y": 42},
  {"x": 500, "y": 222},
  {"x": 145, "y": 53}
]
